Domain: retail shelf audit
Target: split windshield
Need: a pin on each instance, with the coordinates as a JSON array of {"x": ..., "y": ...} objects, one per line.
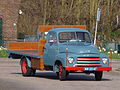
[{"x": 74, "y": 37}]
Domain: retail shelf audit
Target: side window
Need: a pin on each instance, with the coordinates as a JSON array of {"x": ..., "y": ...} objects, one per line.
[
  {"x": 87, "y": 38},
  {"x": 52, "y": 37}
]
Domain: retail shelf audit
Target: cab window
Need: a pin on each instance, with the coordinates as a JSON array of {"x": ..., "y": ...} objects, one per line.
[{"x": 52, "y": 37}]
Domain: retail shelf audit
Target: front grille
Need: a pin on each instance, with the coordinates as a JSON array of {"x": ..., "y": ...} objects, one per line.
[{"x": 88, "y": 61}]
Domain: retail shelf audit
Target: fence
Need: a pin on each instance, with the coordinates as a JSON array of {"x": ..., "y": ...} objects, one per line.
[{"x": 111, "y": 45}]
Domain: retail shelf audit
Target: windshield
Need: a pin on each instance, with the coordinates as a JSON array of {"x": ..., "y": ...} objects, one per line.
[{"x": 74, "y": 37}]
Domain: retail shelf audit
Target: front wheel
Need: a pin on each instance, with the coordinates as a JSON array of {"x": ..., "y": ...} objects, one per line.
[
  {"x": 67, "y": 73},
  {"x": 26, "y": 71},
  {"x": 62, "y": 73},
  {"x": 98, "y": 75}
]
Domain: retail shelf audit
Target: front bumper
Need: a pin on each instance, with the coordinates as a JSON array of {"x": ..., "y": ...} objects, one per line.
[{"x": 88, "y": 68}]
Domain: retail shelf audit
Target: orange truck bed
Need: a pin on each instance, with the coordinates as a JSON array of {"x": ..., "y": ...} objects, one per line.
[{"x": 30, "y": 48}]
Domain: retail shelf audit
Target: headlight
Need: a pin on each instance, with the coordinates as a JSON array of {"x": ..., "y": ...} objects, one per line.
[
  {"x": 104, "y": 60},
  {"x": 70, "y": 59}
]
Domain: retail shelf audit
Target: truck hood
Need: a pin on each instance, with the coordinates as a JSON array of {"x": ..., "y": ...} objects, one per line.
[{"x": 78, "y": 48}]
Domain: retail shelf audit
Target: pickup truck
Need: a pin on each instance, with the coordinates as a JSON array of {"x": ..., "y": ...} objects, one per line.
[{"x": 65, "y": 49}]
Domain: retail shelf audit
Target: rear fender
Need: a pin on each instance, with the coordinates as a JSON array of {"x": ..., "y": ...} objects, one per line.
[{"x": 28, "y": 61}]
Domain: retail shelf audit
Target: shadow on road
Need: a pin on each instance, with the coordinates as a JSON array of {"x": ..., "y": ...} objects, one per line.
[{"x": 71, "y": 77}]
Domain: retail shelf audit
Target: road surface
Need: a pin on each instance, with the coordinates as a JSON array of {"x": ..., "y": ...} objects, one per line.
[{"x": 11, "y": 79}]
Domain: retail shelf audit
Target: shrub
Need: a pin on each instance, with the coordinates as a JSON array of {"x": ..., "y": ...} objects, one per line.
[{"x": 3, "y": 52}]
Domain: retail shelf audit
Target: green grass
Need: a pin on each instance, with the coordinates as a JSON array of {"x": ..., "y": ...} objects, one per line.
[
  {"x": 3, "y": 53},
  {"x": 114, "y": 55}
]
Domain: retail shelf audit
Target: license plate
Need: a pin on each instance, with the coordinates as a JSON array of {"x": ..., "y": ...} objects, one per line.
[{"x": 89, "y": 69}]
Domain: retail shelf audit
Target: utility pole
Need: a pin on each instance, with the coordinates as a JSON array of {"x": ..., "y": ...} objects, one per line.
[{"x": 97, "y": 20}]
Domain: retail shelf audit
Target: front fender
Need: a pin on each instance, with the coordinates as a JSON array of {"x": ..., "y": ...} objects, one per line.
[
  {"x": 59, "y": 58},
  {"x": 104, "y": 56},
  {"x": 62, "y": 59}
]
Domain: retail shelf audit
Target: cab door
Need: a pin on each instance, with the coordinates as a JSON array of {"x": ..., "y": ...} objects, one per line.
[{"x": 50, "y": 49}]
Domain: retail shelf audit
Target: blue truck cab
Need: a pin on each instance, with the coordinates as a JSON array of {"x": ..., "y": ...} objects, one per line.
[
  {"x": 73, "y": 50},
  {"x": 67, "y": 50}
]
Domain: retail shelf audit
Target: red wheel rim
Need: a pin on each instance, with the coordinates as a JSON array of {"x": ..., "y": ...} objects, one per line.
[
  {"x": 24, "y": 66},
  {"x": 60, "y": 70}
]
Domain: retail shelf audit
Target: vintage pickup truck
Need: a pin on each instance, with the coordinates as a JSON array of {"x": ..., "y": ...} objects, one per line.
[{"x": 65, "y": 49}]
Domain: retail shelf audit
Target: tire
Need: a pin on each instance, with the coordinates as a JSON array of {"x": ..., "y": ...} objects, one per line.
[
  {"x": 33, "y": 71},
  {"x": 67, "y": 73},
  {"x": 62, "y": 73},
  {"x": 57, "y": 73},
  {"x": 27, "y": 71},
  {"x": 98, "y": 75}
]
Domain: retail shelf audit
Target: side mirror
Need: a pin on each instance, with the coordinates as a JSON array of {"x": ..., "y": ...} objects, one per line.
[{"x": 51, "y": 41}]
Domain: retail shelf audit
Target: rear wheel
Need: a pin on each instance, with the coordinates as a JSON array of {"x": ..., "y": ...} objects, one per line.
[
  {"x": 33, "y": 71},
  {"x": 98, "y": 75},
  {"x": 26, "y": 70}
]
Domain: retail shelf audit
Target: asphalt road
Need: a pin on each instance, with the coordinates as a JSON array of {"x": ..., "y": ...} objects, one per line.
[{"x": 11, "y": 79}]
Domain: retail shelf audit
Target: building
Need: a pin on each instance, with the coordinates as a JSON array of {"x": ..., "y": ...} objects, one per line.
[{"x": 8, "y": 20}]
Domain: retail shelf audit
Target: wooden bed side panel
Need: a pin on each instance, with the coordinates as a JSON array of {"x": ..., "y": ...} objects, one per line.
[
  {"x": 37, "y": 63},
  {"x": 22, "y": 45}
]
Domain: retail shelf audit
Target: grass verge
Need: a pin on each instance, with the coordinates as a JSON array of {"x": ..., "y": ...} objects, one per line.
[{"x": 114, "y": 55}]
